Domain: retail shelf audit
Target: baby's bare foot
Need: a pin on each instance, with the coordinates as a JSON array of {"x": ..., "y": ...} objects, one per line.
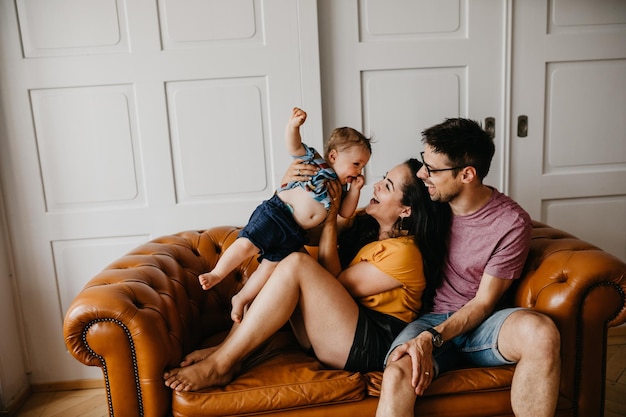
[
  {"x": 209, "y": 280},
  {"x": 239, "y": 306}
]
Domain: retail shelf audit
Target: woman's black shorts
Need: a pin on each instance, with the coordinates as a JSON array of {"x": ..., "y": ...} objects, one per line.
[{"x": 374, "y": 333}]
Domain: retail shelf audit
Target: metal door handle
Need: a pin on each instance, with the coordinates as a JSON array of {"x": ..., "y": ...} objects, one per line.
[
  {"x": 490, "y": 126},
  {"x": 522, "y": 126}
]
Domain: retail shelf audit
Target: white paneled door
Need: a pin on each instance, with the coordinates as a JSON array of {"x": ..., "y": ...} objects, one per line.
[
  {"x": 396, "y": 67},
  {"x": 568, "y": 136},
  {"x": 122, "y": 120},
  {"x": 128, "y": 119}
]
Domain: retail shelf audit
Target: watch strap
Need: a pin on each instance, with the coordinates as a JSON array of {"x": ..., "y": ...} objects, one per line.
[
  {"x": 437, "y": 338},
  {"x": 434, "y": 332}
]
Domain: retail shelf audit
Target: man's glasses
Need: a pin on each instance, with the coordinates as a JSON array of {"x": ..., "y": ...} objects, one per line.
[{"x": 430, "y": 170}]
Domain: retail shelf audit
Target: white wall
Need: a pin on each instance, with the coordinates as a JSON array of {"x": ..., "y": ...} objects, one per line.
[
  {"x": 73, "y": 224},
  {"x": 131, "y": 119},
  {"x": 13, "y": 377}
]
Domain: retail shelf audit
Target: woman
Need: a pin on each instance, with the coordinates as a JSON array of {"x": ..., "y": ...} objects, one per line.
[{"x": 350, "y": 317}]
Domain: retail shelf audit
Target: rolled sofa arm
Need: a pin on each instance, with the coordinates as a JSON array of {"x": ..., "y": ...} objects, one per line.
[
  {"x": 566, "y": 277},
  {"x": 583, "y": 289},
  {"x": 140, "y": 315}
]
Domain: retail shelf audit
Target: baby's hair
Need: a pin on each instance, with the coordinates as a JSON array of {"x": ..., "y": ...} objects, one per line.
[{"x": 343, "y": 138}]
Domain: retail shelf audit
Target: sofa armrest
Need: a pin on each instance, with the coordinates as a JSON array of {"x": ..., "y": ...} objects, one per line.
[
  {"x": 582, "y": 288},
  {"x": 146, "y": 310}
]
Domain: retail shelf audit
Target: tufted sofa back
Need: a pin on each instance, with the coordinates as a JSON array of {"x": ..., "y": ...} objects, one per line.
[{"x": 141, "y": 314}]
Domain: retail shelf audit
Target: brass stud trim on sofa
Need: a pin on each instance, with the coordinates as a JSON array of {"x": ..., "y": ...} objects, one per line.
[{"x": 104, "y": 365}]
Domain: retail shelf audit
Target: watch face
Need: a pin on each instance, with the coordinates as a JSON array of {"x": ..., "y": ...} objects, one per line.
[{"x": 437, "y": 338}]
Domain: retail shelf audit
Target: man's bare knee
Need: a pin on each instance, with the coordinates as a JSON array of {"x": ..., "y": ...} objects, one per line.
[
  {"x": 398, "y": 372},
  {"x": 397, "y": 395},
  {"x": 540, "y": 330},
  {"x": 548, "y": 339},
  {"x": 529, "y": 333}
]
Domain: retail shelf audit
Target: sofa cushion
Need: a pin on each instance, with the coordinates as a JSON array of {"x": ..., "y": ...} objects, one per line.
[
  {"x": 279, "y": 375},
  {"x": 465, "y": 380}
]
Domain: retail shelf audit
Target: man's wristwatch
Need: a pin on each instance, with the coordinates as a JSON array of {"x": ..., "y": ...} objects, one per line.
[{"x": 437, "y": 338}]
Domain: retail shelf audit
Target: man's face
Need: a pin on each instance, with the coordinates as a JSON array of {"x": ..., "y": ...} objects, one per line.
[{"x": 442, "y": 181}]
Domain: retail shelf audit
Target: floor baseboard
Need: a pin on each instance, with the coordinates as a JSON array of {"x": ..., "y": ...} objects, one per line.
[
  {"x": 68, "y": 385},
  {"x": 18, "y": 403}
]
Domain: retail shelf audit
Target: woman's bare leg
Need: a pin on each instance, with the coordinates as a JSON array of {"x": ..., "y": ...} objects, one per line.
[
  {"x": 251, "y": 289},
  {"x": 200, "y": 354},
  {"x": 297, "y": 326},
  {"x": 329, "y": 314}
]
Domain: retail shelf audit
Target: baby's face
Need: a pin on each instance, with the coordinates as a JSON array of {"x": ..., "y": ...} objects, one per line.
[{"x": 349, "y": 163}]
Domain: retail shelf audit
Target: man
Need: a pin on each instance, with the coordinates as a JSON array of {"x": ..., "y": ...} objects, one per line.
[{"x": 488, "y": 244}]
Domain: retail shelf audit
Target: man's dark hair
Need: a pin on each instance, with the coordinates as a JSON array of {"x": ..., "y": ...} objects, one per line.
[{"x": 464, "y": 142}]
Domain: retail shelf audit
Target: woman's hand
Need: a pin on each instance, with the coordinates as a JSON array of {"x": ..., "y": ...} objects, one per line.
[
  {"x": 299, "y": 171},
  {"x": 334, "y": 192},
  {"x": 327, "y": 255}
]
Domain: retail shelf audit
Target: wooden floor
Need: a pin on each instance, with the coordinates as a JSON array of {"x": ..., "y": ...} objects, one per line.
[
  {"x": 93, "y": 403},
  {"x": 77, "y": 403},
  {"x": 615, "y": 399}
]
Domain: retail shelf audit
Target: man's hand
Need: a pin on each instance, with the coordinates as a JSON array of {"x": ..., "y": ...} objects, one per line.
[{"x": 420, "y": 349}]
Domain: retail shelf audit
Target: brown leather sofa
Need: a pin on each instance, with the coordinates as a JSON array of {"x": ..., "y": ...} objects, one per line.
[{"x": 146, "y": 310}]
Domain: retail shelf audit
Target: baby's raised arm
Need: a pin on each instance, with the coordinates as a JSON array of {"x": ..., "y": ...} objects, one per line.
[
  {"x": 350, "y": 201},
  {"x": 293, "y": 140}
]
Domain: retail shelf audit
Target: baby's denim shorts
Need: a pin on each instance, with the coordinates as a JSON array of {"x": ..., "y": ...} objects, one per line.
[{"x": 274, "y": 231}]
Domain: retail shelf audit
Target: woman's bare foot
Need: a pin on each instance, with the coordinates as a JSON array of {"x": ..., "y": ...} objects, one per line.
[
  {"x": 205, "y": 373},
  {"x": 197, "y": 356}
]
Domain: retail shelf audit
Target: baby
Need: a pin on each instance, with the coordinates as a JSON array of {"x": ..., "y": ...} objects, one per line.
[{"x": 278, "y": 226}]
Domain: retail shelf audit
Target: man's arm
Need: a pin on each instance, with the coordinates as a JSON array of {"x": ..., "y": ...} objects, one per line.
[
  {"x": 490, "y": 290},
  {"x": 420, "y": 348}
]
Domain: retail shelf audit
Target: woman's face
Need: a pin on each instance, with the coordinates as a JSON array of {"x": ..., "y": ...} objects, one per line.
[{"x": 386, "y": 204}]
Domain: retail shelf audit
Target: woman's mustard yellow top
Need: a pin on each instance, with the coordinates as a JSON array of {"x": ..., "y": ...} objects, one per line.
[{"x": 401, "y": 259}]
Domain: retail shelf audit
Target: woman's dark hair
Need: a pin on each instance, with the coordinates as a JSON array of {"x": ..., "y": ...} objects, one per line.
[{"x": 429, "y": 223}]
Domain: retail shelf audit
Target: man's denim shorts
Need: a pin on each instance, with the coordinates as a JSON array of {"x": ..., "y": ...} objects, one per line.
[{"x": 478, "y": 347}]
